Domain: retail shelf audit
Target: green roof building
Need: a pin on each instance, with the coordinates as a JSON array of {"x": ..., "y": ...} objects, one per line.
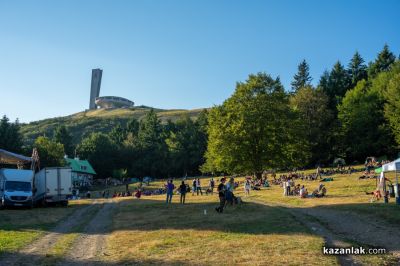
[{"x": 82, "y": 172}]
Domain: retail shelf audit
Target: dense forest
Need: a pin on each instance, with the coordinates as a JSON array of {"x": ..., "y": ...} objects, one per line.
[{"x": 353, "y": 112}]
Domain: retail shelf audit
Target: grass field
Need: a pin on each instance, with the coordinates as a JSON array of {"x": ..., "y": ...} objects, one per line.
[
  {"x": 261, "y": 231},
  {"x": 19, "y": 227},
  {"x": 147, "y": 231}
]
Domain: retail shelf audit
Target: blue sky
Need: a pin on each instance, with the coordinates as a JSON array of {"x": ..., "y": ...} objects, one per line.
[{"x": 174, "y": 54}]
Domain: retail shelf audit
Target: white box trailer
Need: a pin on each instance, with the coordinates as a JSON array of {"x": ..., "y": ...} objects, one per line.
[{"x": 53, "y": 185}]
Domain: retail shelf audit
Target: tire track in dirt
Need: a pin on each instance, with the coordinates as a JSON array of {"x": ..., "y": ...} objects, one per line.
[
  {"x": 90, "y": 245},
  {"x": 338, "y": 226},
  {"x": 35, "y": 251},
  {"x": 359, "y": 228}
]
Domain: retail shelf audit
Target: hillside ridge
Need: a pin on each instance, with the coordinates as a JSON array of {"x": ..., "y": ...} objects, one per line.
[{"x": 83, "y": 123}]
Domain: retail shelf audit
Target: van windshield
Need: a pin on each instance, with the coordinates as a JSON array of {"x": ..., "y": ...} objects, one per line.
[{"x": 18, "y": 186}]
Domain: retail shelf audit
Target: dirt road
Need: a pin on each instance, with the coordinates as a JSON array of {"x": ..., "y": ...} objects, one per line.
[
  {"x": 344, "y": 228},
  {"x": 95, "y": 219},
  {"x": 89, "y": 246}
]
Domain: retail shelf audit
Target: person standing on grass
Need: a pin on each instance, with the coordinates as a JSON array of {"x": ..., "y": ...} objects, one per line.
[
  {"x": 194, "y": 186},
  {"x": 212, "y": 184},
  {"x": 229, "y": 190},
  {"x": 284, "y": 187},
  {"x": 170, "y": 190},
  {"x": 318, "y": 173},
  {"x": 198, "y": 186},
  {"x": 247, "y": 187},
  {"x": 221, "y": 194},
  {"x": 182, "y": 191}
]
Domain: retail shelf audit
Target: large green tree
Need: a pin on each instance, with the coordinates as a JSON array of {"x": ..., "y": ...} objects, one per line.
[
  {"x": 253, "y": 130},
  {"x": 389, "y": 83},
  {"x": 151, "y": 146},
  {"x": 10, "y": 137},
  {"x": 62, "y": 135},
  {"x": 337, "y": 84},
  {"x": 364, "y": 127},
  {"x": 51, "y": 153},
  {"x": 302, "y": 78},
  {"x": 100, "y": 151},
  {"x": 316, "y": 119},
  {"x": 186, "y": 147}
]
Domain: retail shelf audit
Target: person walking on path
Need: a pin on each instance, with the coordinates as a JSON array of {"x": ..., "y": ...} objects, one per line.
[
  {"x": 182, "y": 191},
  {"x": 198, "y": 187},
  {"x": 247, "y": 187},
  {"x": 170, "y": 190},
  {"x": 221, "y": 194},
  {"x": 212, "y": 184}
]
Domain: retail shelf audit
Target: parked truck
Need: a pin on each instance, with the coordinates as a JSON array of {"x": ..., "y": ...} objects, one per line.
[
  {"x": 16, "y": 187},
  {"x": 53, "y": 185}
]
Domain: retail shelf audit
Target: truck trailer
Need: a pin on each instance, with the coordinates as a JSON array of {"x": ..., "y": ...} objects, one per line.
[
  {"x": 53, "y": 185},
  {"x": 16, "y": 187}
]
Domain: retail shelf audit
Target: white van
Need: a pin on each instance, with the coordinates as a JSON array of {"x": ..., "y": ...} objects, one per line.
[{"x": 16, "y": 187}]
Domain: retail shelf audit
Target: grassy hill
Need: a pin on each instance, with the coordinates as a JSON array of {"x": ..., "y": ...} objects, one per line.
[{"x": 102, "y": 120}]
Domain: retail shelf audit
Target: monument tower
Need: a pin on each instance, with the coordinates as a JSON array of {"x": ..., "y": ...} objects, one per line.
[{"x": 95, "y": 87}]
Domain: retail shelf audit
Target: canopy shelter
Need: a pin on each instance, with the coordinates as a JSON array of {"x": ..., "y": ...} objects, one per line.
[
  {"x": 7, "y": 157},
  {"x": 393, "y": 166}
]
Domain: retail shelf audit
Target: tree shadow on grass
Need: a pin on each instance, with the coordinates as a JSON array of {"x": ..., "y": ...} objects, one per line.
[
  {"x": 150, "y": 215},
  {"x": 26, "y": 260}
]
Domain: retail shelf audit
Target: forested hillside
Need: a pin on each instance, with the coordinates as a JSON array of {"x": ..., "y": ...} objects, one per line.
[{"x": 82, "y": 124}]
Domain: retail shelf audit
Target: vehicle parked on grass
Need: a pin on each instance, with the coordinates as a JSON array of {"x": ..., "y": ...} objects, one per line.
[
  {"x": 53, "y": 185},
  {"x": 16, "y": 187}
]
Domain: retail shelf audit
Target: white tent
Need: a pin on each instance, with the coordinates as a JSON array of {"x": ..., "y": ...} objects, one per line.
[{"x": 393, "y": 166}]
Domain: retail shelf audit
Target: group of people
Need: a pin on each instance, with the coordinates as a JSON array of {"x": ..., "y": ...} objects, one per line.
[
  {"x": 226, "y": 195},
  {"x": 291, "y": 189}
]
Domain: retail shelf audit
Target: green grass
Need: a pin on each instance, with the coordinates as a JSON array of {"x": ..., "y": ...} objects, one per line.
[{"x": 20, "y": 227}]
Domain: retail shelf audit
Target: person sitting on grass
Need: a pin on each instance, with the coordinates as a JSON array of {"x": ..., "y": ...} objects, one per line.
[
  {"x": 320, "y": 192},
  {"x": 182, "y": 191},
  {"x": 303, "y": 192},
  {"x": 296, "y": 190},
  {"x": 138, "y": 194},
  {"x": 221, "y": 194},
  {"x": 376, "y": 195}
]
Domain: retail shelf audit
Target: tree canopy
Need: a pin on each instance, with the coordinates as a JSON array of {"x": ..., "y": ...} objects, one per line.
[{"x": 253, "y": 130}]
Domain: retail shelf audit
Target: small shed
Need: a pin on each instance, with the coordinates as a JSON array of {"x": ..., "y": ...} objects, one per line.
[{"x": 82, "y": 172}]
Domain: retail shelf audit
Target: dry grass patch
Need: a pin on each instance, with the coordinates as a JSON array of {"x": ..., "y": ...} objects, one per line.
[{"x": 149, "y": 232}]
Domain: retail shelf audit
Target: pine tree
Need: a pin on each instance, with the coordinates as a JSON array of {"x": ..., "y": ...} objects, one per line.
[
  {"x": 302, "y": 78},
  {"x": 61, "y": 135},
  {"x": 382, "y": 63},
  {"x": 357, "y": 69},
  {"x": 336, "y": 84}
]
